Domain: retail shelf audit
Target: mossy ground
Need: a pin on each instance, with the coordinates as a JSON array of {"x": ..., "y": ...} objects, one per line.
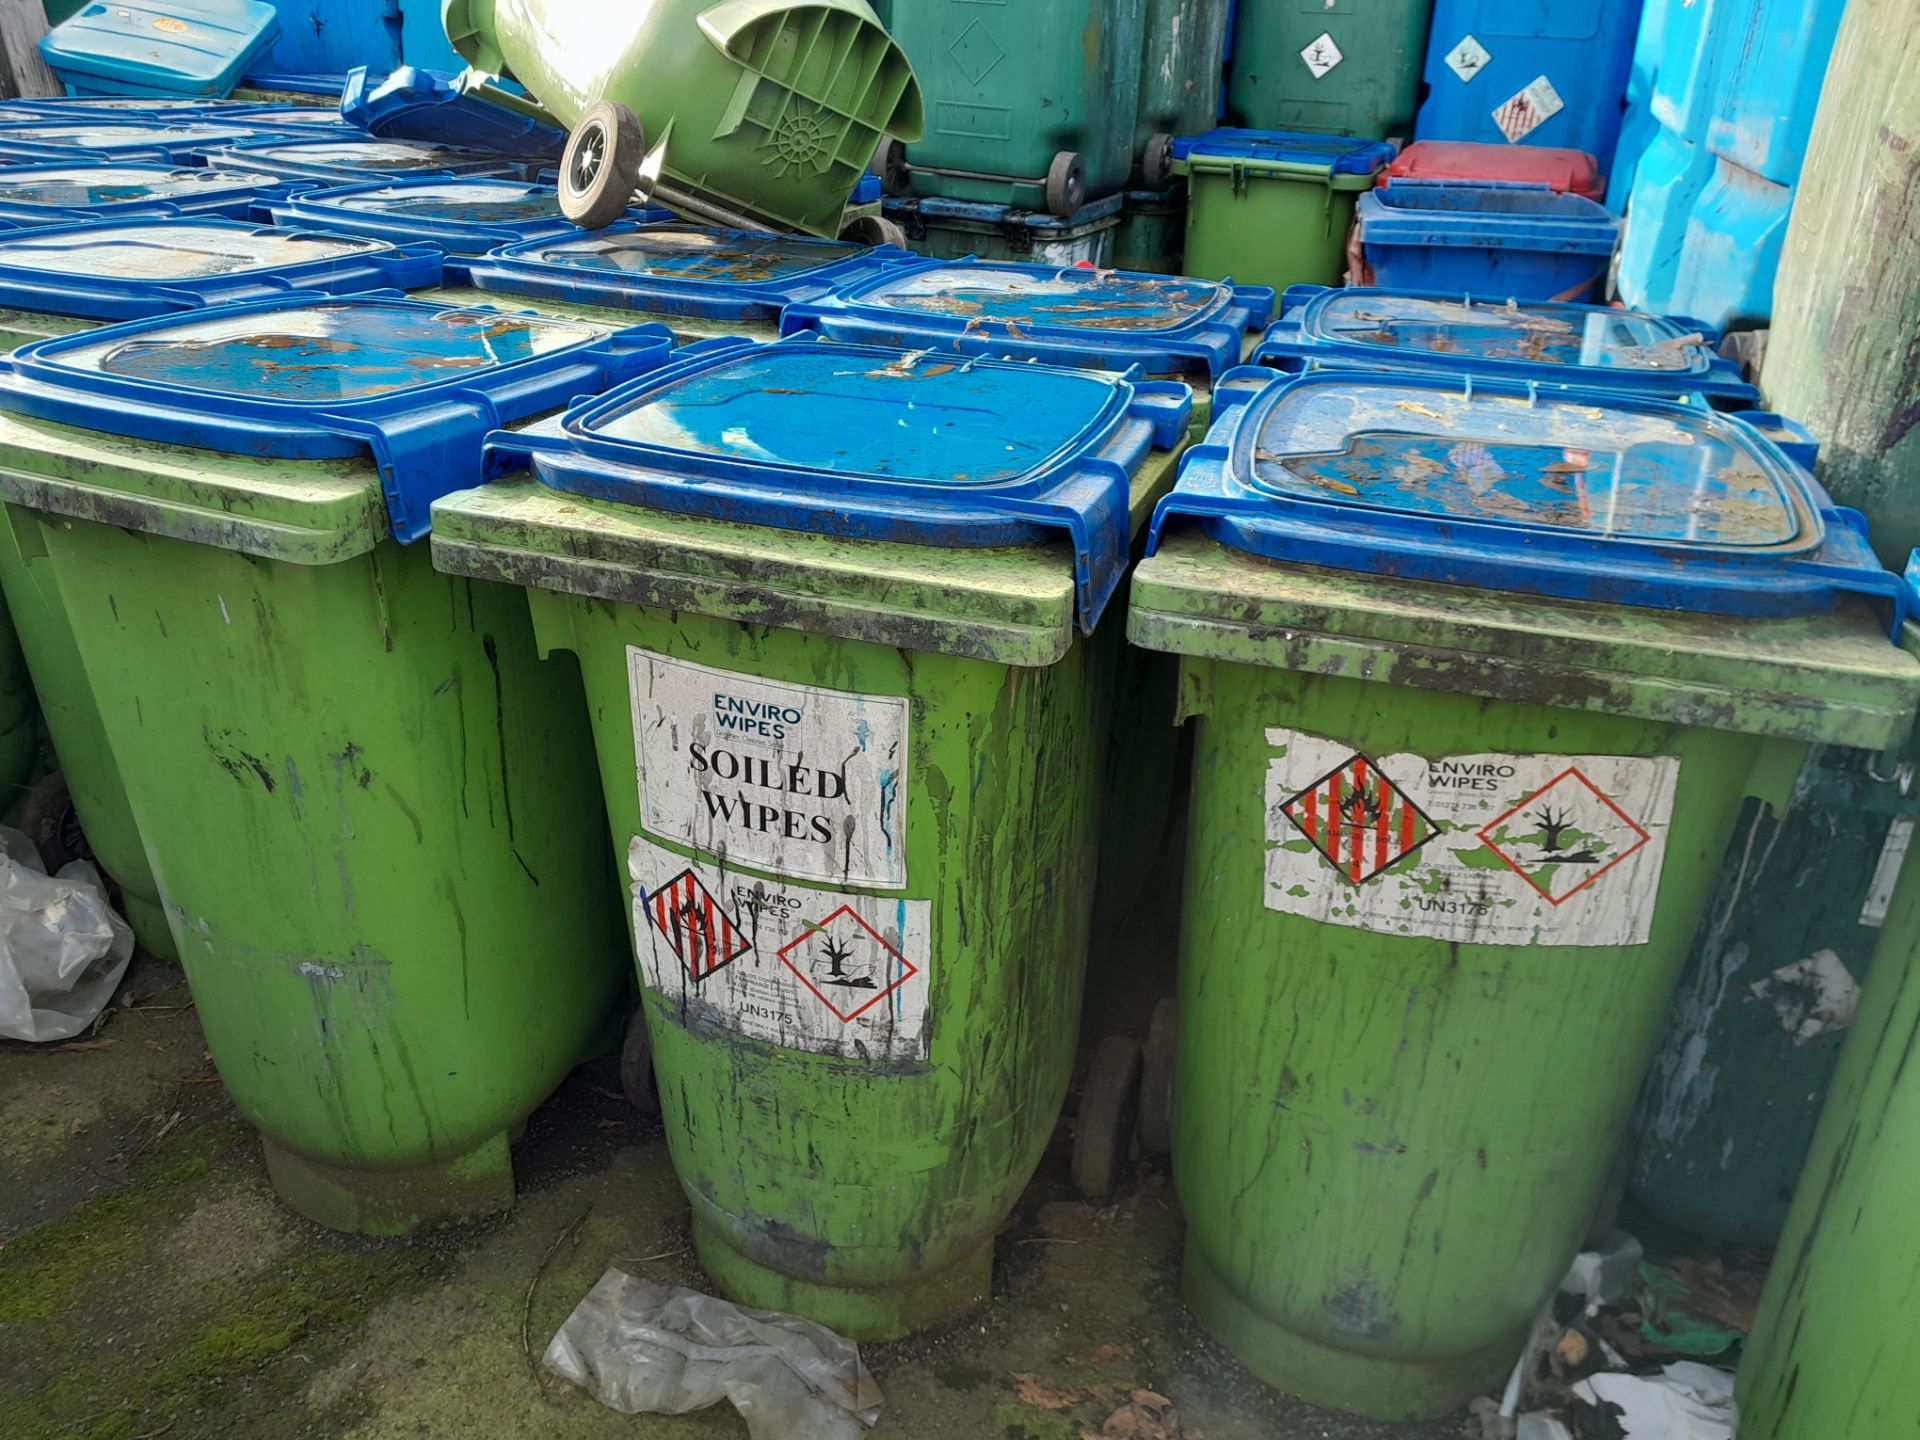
[{"x": 150, "y": 1283}]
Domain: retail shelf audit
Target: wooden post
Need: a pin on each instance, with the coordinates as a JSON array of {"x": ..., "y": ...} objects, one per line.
[
  {"x": 22, "y": 71},
  {"x": 1844, "y": 357}
]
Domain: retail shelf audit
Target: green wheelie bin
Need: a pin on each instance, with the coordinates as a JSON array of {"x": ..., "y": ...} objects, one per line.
[
  {"x": 1834, "y": 1342},
  {"x": 360, "y": 793},
  {"x": 1180, "y": 73},
  {"x": 1033, "y": 106},
  {"x": 836, "y": 610},
  {"x": 1482, "y": 673},
  {"x": 756, "y": 114},
  {"x": 1345, "y": 67},
  {"x": 61, "y": 279}
]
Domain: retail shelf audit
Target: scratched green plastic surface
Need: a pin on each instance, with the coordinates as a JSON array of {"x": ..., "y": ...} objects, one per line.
[
  {"x": 763, "y": 106},
  {"x": 1388, "y": 1147},
  {"x": 1372, "y": 91},
  {"x": 866, "y": 1199},
  {"x": 369, "y": 808},
  {"x": 1267, "y": 224},
  {"x": 1832, "y": 1350}
]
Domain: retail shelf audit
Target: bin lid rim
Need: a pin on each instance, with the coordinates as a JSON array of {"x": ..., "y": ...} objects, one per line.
[
  {"x": 648, "y": 258},
  {"x": 1340, "y": 154}
]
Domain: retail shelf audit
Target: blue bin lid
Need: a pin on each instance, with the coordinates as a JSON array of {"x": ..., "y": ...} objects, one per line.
[
  {"x": 52, "y": 194},
  {"x": 914, "y": 209},
  {"x": 680, "y": 269},
  {"x": 1579, "y": 494},
  {"x": 416, "y": 385},
  {"x": 872, "y": 444},
  {"x": 279, "y": 117},
  {"x": 163, "y": 142},
  {"x": 1546, "y": 341},
  {"x": 127, "y": 269},
  {"x": 463, "y": 215},
  {"x": 1105, "y": 319},
  {"x": 1337, "y": 154},
  {"x": 171, "y": 109},
  {"x": 347, "y": 161},
  {"x": 417, "y": 104},
  {"x": 198, "y": 47},
  {"x": 1501, "y": 217}
]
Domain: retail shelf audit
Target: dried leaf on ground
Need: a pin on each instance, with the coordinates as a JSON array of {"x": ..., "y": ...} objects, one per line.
[
  {"x": 1145, "y": 1416},
  {"x": 1045, "y": 1394},
  {"x": 1101, "y": 1355}
]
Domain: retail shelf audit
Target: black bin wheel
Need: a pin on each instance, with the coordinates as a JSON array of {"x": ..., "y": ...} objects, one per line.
[
  {"x": 1156, "y": 1078},
  {"x": 1066, "y": 184},
  {"x": 873, "y": 230},
  {"x": 1156, "y": 162},
  {"x": 890, "y": 164},
  {"x": 636, "y": 1066},
  {"x": 1108, "y": 1107},
  {"x": 601, "y": 167}
]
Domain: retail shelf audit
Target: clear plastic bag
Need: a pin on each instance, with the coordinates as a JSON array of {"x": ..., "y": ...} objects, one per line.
[
  {"x": 62, "y": 949},
  {"x": 650, "y": 1350}
]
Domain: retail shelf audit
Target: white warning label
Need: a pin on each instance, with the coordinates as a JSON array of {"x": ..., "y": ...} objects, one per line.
[
  {"x": 1529, "y": 109},
  {"x": 791, "y": 779},
  {"x": 1495, "y": 849},
  {"x": 1321, "y": 56},
  {"x": 1468, "y": 59},
  {"x": 798, "y": 967}
]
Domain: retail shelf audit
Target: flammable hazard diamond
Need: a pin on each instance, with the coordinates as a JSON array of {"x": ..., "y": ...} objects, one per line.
[{"x": 1359, "y": 819}]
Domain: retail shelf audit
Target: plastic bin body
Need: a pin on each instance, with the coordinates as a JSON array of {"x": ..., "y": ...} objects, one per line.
[
  {"x": 1267, "y": 208},
  {"x": 1529, "y": 72},
  {"x": 1183, "y": 61},
  {"x": 60, "y": 280},
  {"x": 769, "y": 110},
  {"x": 1331, "y": 67},
  {"x": 1594, "y": 347},
  {"x": 911, "y": 988},
  {"x": 955, "y": 229},
  {"x": 1734, "y": 92},
  {"x": 339, "y": 35},
  {"x": 1010, "y": 87},
  {"x": 1152, "y": 235},
  {"x": 1518, "y": 241},
  {"x": 192, "y": 47},
  {"x": 1833, "y": 1342},
  {"x": 1380, "y": 945},
  {"x": 1566, "y": 172},
  {"x": 401, "y": 780}
]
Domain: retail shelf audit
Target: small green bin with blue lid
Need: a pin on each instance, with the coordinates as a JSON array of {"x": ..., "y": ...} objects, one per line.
[
  {"x": 839, "y": 609},
  {"x": 362, "y": 797},
  {"x": 63, "y": 279},
  {"x": 1481, "y": 673},
  {"x": 1272, "y": 207}
]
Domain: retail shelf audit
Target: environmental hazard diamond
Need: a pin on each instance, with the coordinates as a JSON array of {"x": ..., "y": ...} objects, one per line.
[
  {"x": 848, "y": 965},
  {"x": 1359, "y": 819},
  {"x": 695, "y": 926},
  {"x": 1322, "y": 55},
  {"x": 1468, "y": 59},
  {"x": 1565, "y": 836}
]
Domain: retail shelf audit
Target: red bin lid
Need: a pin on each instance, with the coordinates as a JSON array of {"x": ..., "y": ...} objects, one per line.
[{"x": 1565, "y": 171}]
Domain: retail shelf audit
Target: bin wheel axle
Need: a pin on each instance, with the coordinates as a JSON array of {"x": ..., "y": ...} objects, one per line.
[
  {"x": 1066, "y": 184},
  {"x": 1108, "y": 1105},
  {"x": 601, "y": 167}
]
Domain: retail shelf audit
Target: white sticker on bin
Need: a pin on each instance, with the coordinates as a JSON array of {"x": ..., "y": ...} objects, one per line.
[
  {"x": 806, "y": 969},
  {"x": 1493, "y": 849},
  {"x": 795, "y": 780},
  {"x": 1529, "y": 108},
  {"x": 1468, "y": 59},
  {"x": 1322, "y": 55}
]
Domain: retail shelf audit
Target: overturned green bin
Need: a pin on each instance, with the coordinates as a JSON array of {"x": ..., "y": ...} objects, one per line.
[
  {"x": 836, "y": 610},
  {"x": 360, "y": 793},
  {"x": 1481, "y": 677}
]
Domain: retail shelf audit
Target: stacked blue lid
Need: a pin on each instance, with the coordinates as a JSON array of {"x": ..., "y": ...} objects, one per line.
[
  {"x": 466, "y": 217},
  {"x": 1552, "y": 343},
  {"x": 415, "y": 386},
  {"x": 1335, "y": 154},
  {"x": 680, "y": 269},
  {"x": 1580, "y": 494},
  {"x": 874, "y": 444},
  {"x": 128, "y": 269},
  {"x": 186, "y": 47},
  {"x": 33, "y": 195},
  {"x": 1104, "y": 319},
  {"x": 347, "y": 160},
  {"x": 122, "y": 138}
]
